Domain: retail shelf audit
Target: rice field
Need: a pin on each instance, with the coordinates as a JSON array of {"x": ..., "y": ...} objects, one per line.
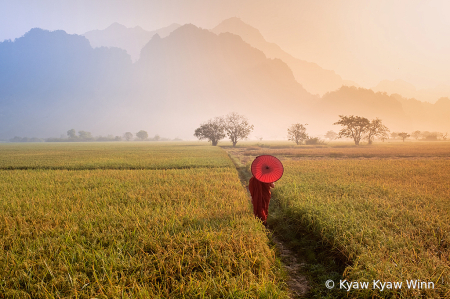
[
  {"x": 129, "y": 221},
  {"x": 171, "y": 220},
  {"x": 382, "y": 214},
  {"x": 111, "y": 155}
]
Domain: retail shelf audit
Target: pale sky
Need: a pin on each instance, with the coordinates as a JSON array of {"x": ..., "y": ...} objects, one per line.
[{"x": 363, "y": 41}]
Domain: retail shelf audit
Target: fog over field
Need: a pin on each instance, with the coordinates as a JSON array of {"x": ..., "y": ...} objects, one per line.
[{"x": 165, "y": 69}]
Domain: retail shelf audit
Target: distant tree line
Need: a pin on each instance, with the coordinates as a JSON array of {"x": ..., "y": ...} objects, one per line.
[
  {"x": 84, "y": 136},
  {"x": 358, "y": 128},
  {"x": 421, "y": 135}
]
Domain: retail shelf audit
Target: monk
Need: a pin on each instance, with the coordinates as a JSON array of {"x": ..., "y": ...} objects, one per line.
[{"x": 260, "y": 193}]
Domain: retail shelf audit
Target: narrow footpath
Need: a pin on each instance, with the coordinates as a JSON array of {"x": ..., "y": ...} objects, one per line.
[{"x": 292, "y": 263}]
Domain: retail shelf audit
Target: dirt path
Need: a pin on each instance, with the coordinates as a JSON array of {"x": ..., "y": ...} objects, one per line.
[{"x": 292, "y": 263}]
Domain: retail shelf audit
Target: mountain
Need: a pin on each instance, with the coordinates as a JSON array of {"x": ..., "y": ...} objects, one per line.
[
  {"x": 130, "y": 39},
  {"x": 350, "y": 100},
  {"x": 194, "y": 72},
  {"x": 312, "y": 77},
  {"x": 408, "y": 90},
  {"x": 397, "y": 112},
  {"x": 52, "y": 82}
]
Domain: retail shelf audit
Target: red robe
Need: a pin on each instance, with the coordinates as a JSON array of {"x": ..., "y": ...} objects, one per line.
[{"x": 260, "y": 193}]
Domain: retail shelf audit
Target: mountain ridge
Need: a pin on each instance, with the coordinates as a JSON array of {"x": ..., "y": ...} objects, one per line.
[
  {"x": 130, "y": 39},
  {"x": 312, "y": 77}
]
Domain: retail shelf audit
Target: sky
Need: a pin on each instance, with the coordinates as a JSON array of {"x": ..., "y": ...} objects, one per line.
[{"x": 364, "y": 41}]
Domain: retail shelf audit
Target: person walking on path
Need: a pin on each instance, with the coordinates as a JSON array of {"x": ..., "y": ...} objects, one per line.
[
  {"x": 261, "y": 194},
  {"x": 266, "y": 170}
]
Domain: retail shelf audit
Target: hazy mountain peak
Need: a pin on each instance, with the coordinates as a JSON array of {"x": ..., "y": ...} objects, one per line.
[
  {"x": 115, "y": 26},
  {"x": 236, "y": 26},
  {"x": 443, "y": 102},
  {"x": 130, "y": 39},
  {"x": 311, "y": 76}
]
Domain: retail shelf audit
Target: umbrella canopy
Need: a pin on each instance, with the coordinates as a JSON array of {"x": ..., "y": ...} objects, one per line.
[{"x": 267, "y": 169}]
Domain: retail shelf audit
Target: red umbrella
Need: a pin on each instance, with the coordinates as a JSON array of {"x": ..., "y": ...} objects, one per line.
[{"x": 267, "y": 169}]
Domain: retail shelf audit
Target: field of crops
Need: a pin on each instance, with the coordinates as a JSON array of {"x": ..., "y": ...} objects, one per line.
[
  {"x": 129, "y": 221},
  {"x": 120, "y": 155},
  {"x": 384, "y": 219}
]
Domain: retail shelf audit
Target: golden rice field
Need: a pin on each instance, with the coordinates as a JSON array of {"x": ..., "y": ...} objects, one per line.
[
  {"x": 111, "y": 155},
  {"x": 345, "y": 150},
  {"x": 385, "y": 219},
  {"x": 129, "y": 221},
  {"x": 171, "y": 220}
]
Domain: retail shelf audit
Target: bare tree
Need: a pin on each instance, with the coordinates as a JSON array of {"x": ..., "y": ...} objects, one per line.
[
  {"x": 376, "y": 129},
  {"x": 128, "y": 136},
  {"x": 403, "y": 135},
  {"x": 297, "y": 133},
  {"x": 213, "y": 130},
  {"x": 354, "y": 127},
  {"x": 237, "y": 127},
  {"x": 142, "y": 135}
]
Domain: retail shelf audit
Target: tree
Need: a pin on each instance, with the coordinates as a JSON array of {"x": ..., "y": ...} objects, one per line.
[
  {"x": 376, "y": 129},
  {"x": 72, "y": 134},
  {"x": 157, "y": 138},
  {"x": 213, "y": 130},
  {"x": 354, "y": 127},
  {"x": 403, "y": 135},
  {"x": 85, "y": 135},
  {"x": 331, "y": 135},
  {"x": 142, "y": 135},
  {"x": 394, "y": 135},
  {"x": 297, "y": 133},
  {"x": 237, "y": 127},
  {"x": 128, "y": 136},
  {"x": 416, "y": 134}
]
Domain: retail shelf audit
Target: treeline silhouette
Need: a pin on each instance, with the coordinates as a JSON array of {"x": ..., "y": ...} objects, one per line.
[{"x": 84, "y": 136}]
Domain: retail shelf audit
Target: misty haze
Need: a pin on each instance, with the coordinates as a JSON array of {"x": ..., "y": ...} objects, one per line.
[
  {"x": 52, "y": 81},
  {"x": 224, "y": 149}
]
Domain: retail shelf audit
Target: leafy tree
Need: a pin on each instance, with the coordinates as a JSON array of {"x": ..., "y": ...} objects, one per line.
[
  {"x": 213, "y": 130},
  {"x": 237, "y": 127},
  {"x": 72, "y": 134},
  {"x": 394, "y": 135},
  {"x": 354, "y": 127},
  {"x": 297, "y": 133},
  {"x": 331, "y": 135},
  {"x": 142, "y": 135},
  {"x": 376, "y": 129},
  {"x": 128, "y": 136},
  {"x": 403, "y": 135},
  {"x": 416, "y": 134},
  {"x": 85, "y": 135},
  {"x": 157, "y": 138}
]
